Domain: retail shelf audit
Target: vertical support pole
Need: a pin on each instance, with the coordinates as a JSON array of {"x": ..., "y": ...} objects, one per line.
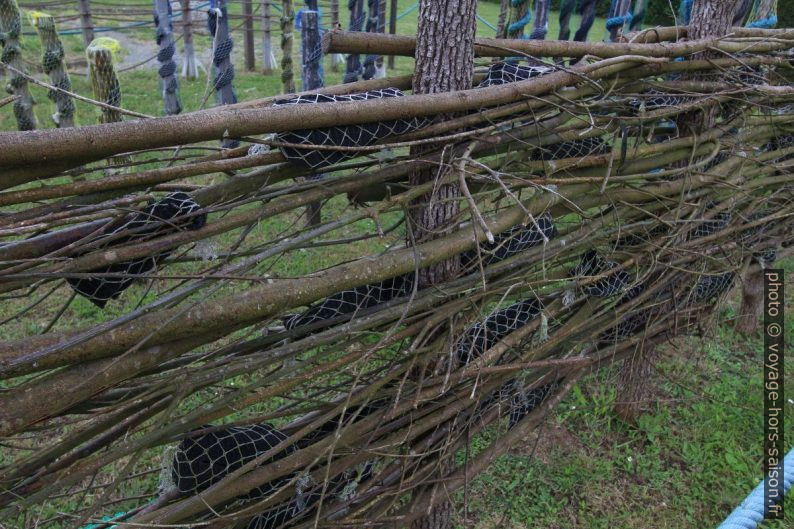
[
  {"x": 336, "y": 58},
  {"x": 10, "y": 31},
  {"x": 380, "y": 68},
  {"x": 222, "y": 45},
  {"x": 268, "y": 57},
  {"x": 105, "y": 83},
  {"x": 619, "y": 16},
  {"x": 311, "y": 49},
  {"x": 52, "y": 61},
  {"x": 354, "y": 70},
  {"x": 588, "y": 17},
  {"x": 504, "y": 5},
  {"x": 312, "y": 55},
  {"x": 287, "y": 16},
  {"x": 372, "y": 27},
  {"x": 86, "y": 24},
  {"x": 393, "y": 27},
  {"x": 520, "y": 15},
  {"x": 164, "y": 35},
  {"x": 541, "y": 26},
  {"x": 189, "y": 69},
  {"x": 248, "y": 24},
  {"x": 638, "y": 16}
]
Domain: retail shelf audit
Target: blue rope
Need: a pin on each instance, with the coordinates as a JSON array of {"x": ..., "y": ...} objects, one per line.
[
  {"x": 408, "y": 11},
  {"x": 764, "y": 23},
  {"x": 104, "y": 29},
  {"x": 619, "y": 22},
  {"x": 751, "y": 511},
  {"x": 105, "y": 519},
  {"x": 481, "y": 19},
  {"x": 519, "y": 24}
]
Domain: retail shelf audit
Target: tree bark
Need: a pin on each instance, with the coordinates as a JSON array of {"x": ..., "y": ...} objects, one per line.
[
  {"x": 86, "y": 24},
  {"x": 751, "y": 307},
  {"x": 189, "y": 69},
  {"x": 710, "y": 18},
  {"x": 250, "y": 57},
  {"x": 444, "y": 63},
  {"x": 634, "y": 382}
]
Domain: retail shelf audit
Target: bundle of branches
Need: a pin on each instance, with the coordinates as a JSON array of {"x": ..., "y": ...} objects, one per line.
[{"x": 247, "y": 371}]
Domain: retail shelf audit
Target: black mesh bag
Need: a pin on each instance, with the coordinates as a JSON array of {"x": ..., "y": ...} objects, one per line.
[{"x": 173, "y": 213}]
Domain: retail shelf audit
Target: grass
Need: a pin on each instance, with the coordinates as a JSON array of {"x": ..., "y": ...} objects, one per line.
[
  {"x": 688, "y": 462},
  {"x": 691, "y": 458}
]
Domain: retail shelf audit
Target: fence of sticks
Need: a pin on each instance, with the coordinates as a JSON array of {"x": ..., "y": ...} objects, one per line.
[{"x": 238, "y": 376}]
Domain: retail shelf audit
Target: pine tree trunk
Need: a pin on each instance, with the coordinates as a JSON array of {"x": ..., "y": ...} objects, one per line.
[
  {"x": 444, "y": 62},
  {"x": 751, "y": 307},
  {"x": 634, "y": 382},
  {"x": 710, "y": 18}
]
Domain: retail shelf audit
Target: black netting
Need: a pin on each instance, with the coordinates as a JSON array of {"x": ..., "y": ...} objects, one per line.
[
  {"x": 572, "y": 149},
  {"x": 631, "y": 322},
  {"x": 711, "y": 226},
  {"x": 592, "y": 264},
  {"x": 709, "y": 287},
  {"x": 353, "y": 300},
  {"x": 506, "y": 72},
  {"x": 766, "y": 256},
  {"x": 342, "y": 136},
  {"x": 655, "y": 100},
  {"x": 484, "y": 334},
  {"x": 506, "y": 244},
  {"x": 203, "y": 460},
  {"x": 523, "y": 403},
  {"x": 511, "y": 242},
  {"x": 172, "y": 213}
]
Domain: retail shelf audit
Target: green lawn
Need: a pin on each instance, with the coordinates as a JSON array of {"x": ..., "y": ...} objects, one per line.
[{"x": 140, "y": 88}]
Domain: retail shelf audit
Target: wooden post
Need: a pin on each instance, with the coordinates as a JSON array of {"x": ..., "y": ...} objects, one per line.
[
  {"x": 169, "y": 83},
  {"x": 372, "y": 27},
  {"x": 218, "y": 22},
  {"x": 52, "y": 61},
  {"x": 354, "y": 70},
  {"x": 189, "y": 70},
  {"x": 11, "y": 26},
  {"x": 392, "y": 27},
  {"x": 312, "y": 55},
  {"x": 502, "y": 20},
  {"x": 617, "y": 18},
  {"x": 519, "y": 17},
  {"x": 380, "y": 69},
  {"x": 105, "y": 84},
  {"x": 86, "y": 23},
  {"x": 541, "y": 25},
  {"x": 268, "y": 57},
  {"x": 336, "y": 58},
  {"x": 287, "y": 16},
  {"x": 248, "y": 13}
]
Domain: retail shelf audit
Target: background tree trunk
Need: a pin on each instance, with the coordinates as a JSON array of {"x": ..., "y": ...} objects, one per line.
[
  {"x": 710, "y": 18},
  {"x": 444, "y": 62},
  {"x": 189, "y": 68}
]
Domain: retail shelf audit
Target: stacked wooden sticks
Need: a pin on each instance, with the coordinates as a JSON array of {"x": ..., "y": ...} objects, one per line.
[{"x": 651, "y": 227}]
